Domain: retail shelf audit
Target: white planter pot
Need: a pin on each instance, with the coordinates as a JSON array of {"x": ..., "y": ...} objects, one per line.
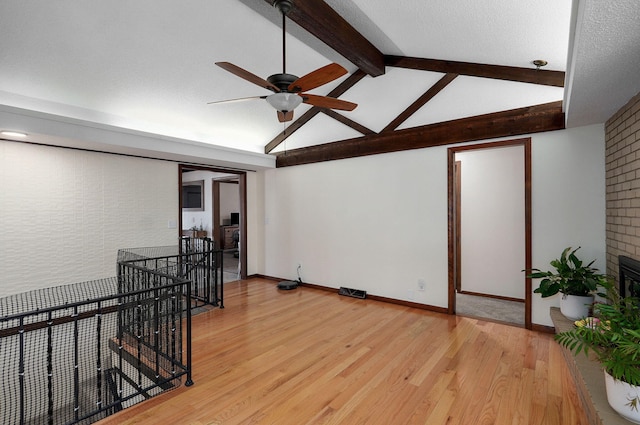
[
  {"x": 619, "y": 394},
  {"x": 575, "y": 307}
]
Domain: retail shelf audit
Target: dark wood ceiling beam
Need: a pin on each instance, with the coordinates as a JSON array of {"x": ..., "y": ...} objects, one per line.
[
  {"x": 319, "y": 19},
  {"x": 348, "y": 122},
  {"x": 499, "y": 72},
  {"x": 304, "y": 118},
  {"x": 532, "y": 119},
  {"x": 420, "y": 102}
]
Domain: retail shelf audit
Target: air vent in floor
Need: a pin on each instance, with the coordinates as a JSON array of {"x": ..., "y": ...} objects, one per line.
[{"x": 355, "y": 293}]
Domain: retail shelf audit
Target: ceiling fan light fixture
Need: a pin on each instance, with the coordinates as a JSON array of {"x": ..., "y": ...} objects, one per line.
[{"x": 284, "y": 101}]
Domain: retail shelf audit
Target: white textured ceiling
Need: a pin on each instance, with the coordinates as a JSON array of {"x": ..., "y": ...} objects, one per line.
[
  {"x": 604, "y": 69},
  {"x": 148, "y": 65},
  {"x": 500, "y": 32}
]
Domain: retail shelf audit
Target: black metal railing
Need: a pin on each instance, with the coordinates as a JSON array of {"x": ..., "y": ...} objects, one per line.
[
  {"x": 202, "y": 264},
  {"x": 194, "y": 259},
  {"x": 77, "y": 353},
  {"x": 74, "y": 354}
]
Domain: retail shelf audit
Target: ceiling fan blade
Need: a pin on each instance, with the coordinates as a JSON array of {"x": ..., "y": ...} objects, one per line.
[
  {"x": 317, "y": 78},
  {"x": 285, "y": 116},
  {"x": 240, "y": 99},
  {"x": 246, "y": 75},
  {"x": 328, "y": 102}
]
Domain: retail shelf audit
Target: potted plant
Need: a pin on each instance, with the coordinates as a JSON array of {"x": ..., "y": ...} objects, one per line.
[
  {"x": 576, "y": 281},
  {"x": 614, "y": 338},
  {"x": 198, "y": 232}
]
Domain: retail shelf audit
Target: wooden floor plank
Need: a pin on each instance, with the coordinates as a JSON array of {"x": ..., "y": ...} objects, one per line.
[{"x": 313, "y": 357}]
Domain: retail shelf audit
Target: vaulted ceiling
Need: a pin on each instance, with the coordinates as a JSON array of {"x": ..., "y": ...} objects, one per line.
[{"x": 423, "y": 72}]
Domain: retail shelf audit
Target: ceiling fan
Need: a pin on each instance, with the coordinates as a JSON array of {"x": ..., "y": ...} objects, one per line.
[{"x": 289, "y": 90}]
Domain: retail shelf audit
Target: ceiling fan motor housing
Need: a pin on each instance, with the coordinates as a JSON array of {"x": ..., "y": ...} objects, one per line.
[
  {"x": 285, "y": 100},
  {"x": 282, "y": 81}
]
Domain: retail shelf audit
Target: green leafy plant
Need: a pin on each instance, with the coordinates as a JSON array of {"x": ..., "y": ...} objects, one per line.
[
  {"x": 614, "y": 339},
  {"x": 571, "y": 276}
]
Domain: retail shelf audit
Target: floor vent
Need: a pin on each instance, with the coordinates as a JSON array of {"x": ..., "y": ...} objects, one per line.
[{"x": 355, "y": 293}]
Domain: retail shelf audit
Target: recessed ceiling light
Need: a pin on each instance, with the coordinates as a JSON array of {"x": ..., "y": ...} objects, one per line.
[{"x": 13, "y": 134}]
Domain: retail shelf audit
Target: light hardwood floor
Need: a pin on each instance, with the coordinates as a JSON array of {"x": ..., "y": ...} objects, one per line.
[{"x": 309, "y": 356}]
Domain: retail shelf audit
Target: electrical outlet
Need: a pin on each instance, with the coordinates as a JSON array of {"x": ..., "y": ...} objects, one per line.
[{"x": 421, "y": 284}]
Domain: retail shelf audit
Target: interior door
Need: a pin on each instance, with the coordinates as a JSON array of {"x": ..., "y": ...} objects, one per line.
[
  {"x": 491, "y": 215},
  {"x": 490, "y": 222}
]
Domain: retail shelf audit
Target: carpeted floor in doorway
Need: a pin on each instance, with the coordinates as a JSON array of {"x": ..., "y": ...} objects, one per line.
[
  {"x": 490, "y": 308},
  {"x": 230, "y": 264}
]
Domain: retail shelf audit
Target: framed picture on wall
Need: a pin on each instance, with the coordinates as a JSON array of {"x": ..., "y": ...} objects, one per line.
[{"x": 193, "y": 196}]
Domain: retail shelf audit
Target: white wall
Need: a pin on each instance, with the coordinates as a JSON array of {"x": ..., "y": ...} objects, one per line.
[
  {"x": 255, "y": 223},
  {"x": 229, "y": 200},
  {"x": 379, "y": 223},
  {"x": 568, "y": 201},
  {"x": 65, "y": 213},
  {"x": 493, "y": 221}
]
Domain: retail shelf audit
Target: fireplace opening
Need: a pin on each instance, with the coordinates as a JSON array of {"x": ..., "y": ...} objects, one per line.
[{"x": 629, "y": 276}]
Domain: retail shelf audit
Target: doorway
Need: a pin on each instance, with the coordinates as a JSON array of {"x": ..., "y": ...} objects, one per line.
[
  {"x": 226, "y": 225},
  {"x": 490, "y": 230},
  {"x": 223, "y": 211}
]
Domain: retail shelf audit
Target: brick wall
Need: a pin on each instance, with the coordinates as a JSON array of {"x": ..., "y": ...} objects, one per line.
[{"x": 622, "y": 138}]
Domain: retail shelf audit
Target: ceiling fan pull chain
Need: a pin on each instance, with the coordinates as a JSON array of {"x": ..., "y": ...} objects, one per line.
[{"x": 284, "y": 133}]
